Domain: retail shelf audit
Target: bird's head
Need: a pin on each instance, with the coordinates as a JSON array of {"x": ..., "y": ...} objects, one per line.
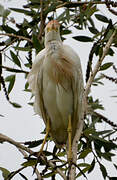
[{"x": 52, "y": 31}]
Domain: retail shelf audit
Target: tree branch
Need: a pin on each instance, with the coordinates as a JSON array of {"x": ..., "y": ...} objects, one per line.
[
  {"x": 4, "y": 138},
  {"x": 16, "y": 36},
  {"x": 14, "y": 70},
  {"x": 42, "y": 22},
  {"x": 72, "y": 173},
  {"x": 98, "y": 64}
]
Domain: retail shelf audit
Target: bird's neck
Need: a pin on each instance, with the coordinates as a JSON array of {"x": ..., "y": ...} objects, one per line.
[
  {"x": 53, "y": 47},
  {"x": 51, "y": 38}
]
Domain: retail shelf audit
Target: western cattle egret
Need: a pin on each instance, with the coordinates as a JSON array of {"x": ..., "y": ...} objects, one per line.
[{"x": 56, "y": 81}]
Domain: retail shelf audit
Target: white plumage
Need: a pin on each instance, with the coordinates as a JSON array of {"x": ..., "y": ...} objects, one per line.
[{"x": 57, "y": 83}]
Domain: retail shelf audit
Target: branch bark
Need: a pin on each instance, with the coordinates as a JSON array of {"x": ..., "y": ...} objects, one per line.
[
  {"x": 72, "y": 173},
  {"x": 42, "y": 22},
  {"x": 4, "y": 138},
  {"x": 13, "y": 69},
  {"x": 15, "y": 36}
]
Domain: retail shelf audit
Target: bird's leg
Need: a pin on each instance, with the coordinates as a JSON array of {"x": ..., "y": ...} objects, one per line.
[
  {"x": 44, "y": 141},
  {"x": 69, "y": 139},
  {"x": 47, "y": 132}
]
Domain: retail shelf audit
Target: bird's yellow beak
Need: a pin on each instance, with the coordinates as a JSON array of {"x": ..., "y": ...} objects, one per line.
[{"x": 52, "y": 27}]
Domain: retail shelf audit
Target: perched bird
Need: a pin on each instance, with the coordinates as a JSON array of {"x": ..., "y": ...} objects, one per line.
[{"x": 57, "y": 83}]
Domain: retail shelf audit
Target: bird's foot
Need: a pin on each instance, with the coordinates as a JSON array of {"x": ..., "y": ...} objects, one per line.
[{"x": 38, "y": 155}]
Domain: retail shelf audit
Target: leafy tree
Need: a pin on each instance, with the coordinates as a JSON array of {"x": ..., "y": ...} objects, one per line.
[{"x": 28, "y": 38}]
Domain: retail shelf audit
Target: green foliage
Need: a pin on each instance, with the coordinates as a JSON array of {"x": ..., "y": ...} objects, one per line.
[
  {"x": 30, "y": 162},
  {"x": 83, "y": 38},
  {"x": 25, "y": 40},
  {"x": 102, "y": 18},
  {"x": 5, "y": 172},
  {"x": 106, "y": 66},
  {"x": 11, "y": 80},
  {"x": 15, "y": 59}
]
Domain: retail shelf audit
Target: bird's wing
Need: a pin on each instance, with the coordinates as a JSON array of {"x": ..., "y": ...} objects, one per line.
[
  {"x": 33, "y": 77},
  {"x": 77, "y": 84},
  {"x": 33, "y": 74}
]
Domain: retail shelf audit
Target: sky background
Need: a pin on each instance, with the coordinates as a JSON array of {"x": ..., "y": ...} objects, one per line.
[{"x": 22, "y": 125}]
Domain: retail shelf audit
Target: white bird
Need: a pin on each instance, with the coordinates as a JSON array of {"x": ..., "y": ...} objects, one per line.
[{"x": 56, "y": 81}]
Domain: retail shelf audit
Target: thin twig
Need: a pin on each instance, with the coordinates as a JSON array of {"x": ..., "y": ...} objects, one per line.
[
  {"x": 113, "y": 4},
  {"x": 9, "y": 44},
  {"x": 14, "y": 70},
  {"x": 16, "y": 36},
  {"x": 36, "y": 170},
  {"x": 12, "y": 174},
  {"x": 42, "y": 22},
  {"x": 4, "y": 138}
]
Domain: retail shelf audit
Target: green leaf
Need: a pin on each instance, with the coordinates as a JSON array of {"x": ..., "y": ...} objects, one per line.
[
  {"x": 22, "y": 48},
  {"x": 103, "y": 132},
  {"x": 4, "y": 12},
  {"x": 84, "y": 165},
  {"x": 61, "y": 17},
  {"x": 83, "y": 38},
  {"x": 5, "y": 172},
  {"x": 115, "y": 166},
  {"x": 65, "y": 32},
  {"x": 29, "y": 13},
  {"x": 102, "y": 18},
  {"x": 30, "y": 162},
  {"x": 49, "y": 174},
  {"x": 28, "y": 65},
  {"x": 84, "y": 153},
  {"x": 60, "y": 154},
  {"x": 16, "y": 105},
  {"x": 26, "y": 85},
  {"x": 31, "y": 104},
  {"x": 24, "y": 177},
  {"x": 1, "y": 115},
  {"x": 103, "y": 170},
  {"x": 1, "y": 10},
  {"x": 100, "y": 51},
  {"x": 92, "y": 166},
  {"x": 11, "y": 80},
  {"x": 15, "y": 59},
  {"x": 8, "y": 29},
  {"x": 32, "y": 144},
  {"x": 108, "y": 156},
  {"x": 111, "y": 52},
  {"x": 93, "y": 30},
  {"x": 101, "y": 140},
  {"x": 47, "y": 153},
  {"x": 36, "y": 43},
  {"x": 106, "y": 66}
]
